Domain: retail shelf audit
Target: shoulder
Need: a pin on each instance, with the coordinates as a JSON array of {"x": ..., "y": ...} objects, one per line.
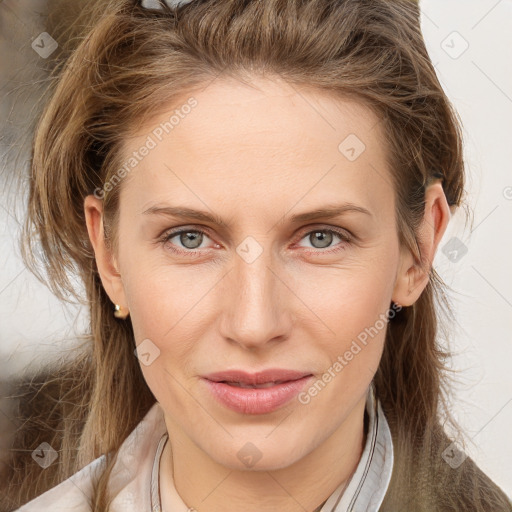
[
  {"x": 129, "y": 479},
  {"x": 71, "y": 495}
]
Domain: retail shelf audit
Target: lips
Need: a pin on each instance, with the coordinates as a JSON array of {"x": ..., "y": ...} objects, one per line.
[
  {"x": 261, "y": 378},
  {"x": 256, "y": 393},
  {"x": 254, "y": 386}
]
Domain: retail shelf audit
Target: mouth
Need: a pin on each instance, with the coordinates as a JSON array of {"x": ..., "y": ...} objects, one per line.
[
  {"x": 254, "y": 386},
  {"x": 256, "y": 393},
  {"x": 264, "y": 378}
]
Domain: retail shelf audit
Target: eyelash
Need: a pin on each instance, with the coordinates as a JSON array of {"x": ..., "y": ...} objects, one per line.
[{"x": 167, "y": 236}]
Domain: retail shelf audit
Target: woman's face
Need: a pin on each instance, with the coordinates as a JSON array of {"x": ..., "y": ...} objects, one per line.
[{"x": 277, "y": 283}]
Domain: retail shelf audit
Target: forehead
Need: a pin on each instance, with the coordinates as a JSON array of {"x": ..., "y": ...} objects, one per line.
[{"x": 261, "y": 141}]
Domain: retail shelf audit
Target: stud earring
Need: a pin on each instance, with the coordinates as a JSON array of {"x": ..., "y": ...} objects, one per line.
[{"x": 120, "y": 312}]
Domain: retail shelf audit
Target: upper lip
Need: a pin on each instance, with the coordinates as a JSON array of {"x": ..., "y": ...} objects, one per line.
[{"x": 261, "y": 377}]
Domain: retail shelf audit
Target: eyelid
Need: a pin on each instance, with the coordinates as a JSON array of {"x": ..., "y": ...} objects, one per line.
[
  {"x": 342, "y": 232},
  {"x": 346, "y": 236},
  {"x": 179, "y": 229},
  {"x": 172, "y": 232}
]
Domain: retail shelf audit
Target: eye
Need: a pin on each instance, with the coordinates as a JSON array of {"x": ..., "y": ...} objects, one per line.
[
  {"x": 188, "y": 241},
  {"x": 323, "y": 238}
]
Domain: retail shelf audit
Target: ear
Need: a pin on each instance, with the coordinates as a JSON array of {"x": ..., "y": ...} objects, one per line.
[
  {"x": 413, "y": 276},
  {"x": 105, "y": 259}
]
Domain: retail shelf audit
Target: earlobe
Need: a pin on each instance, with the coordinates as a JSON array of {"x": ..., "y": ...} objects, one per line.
[
  {"x": 105, "y": 259},
  {"x": 413, "y": 275}
]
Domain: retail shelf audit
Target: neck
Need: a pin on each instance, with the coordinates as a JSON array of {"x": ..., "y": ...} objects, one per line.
[{"x": 206, "y": 485}]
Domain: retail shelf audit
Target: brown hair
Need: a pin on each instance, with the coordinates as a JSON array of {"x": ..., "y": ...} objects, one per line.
[{"x": 130, "y": 63}]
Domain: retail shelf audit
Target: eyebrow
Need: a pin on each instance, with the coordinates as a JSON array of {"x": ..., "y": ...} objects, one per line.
[
  {"x": 327, "y": 212},
  {"x": 186, "y": 213}
]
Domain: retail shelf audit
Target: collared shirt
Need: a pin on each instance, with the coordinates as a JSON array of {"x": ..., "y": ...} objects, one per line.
[{"x": 134, "y": 478}]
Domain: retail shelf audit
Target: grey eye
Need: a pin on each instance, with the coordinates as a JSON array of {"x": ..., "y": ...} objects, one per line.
[
  {"x": 191, "y": 239},
  {"x": 324, "y": 239}
]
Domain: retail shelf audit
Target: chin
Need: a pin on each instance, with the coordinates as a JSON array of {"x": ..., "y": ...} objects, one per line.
[
  {"x": 274, "y": 463},
  {"x": 255, "y": 455}
]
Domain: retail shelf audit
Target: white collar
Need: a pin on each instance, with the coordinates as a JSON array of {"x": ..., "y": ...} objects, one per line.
[
  {"x": 131, "y": 476},
  {"x": 370, "y": 481},
  {"x": 367, "y": 486}
]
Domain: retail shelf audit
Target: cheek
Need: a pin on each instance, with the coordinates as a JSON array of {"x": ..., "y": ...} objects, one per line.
[
  {"x": 350, "y": 299},
  {"x": 162, "y": 315},
  {"x": 173, "y": 308},
  {"x": 162, "y": 296},
  {"x": 172, "y": 304},
  {"x": 353, "y": 305}
]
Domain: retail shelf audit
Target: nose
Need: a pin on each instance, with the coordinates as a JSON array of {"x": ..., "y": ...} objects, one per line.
[{"x": 256, "y": 305}]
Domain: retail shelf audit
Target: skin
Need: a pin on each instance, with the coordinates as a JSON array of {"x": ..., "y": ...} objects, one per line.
[{"x": 255, "y": 156}]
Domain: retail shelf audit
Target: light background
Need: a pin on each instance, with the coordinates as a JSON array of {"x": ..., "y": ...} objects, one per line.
[{"x": 470, "y": 43}]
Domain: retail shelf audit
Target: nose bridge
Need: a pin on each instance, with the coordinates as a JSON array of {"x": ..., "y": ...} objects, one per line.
[{"x": 255, "y": 310}]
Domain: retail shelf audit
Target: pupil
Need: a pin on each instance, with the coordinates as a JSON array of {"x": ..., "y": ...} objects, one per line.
[
  {"x": 324, "y": 238},
  {"x": 189, "y": 239}
]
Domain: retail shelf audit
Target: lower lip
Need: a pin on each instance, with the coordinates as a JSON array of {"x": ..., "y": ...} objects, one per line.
[{"x": 256, "y": 400}]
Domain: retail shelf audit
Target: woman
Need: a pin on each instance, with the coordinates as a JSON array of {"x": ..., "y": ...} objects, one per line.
[{"x": 253, "y": 194}]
